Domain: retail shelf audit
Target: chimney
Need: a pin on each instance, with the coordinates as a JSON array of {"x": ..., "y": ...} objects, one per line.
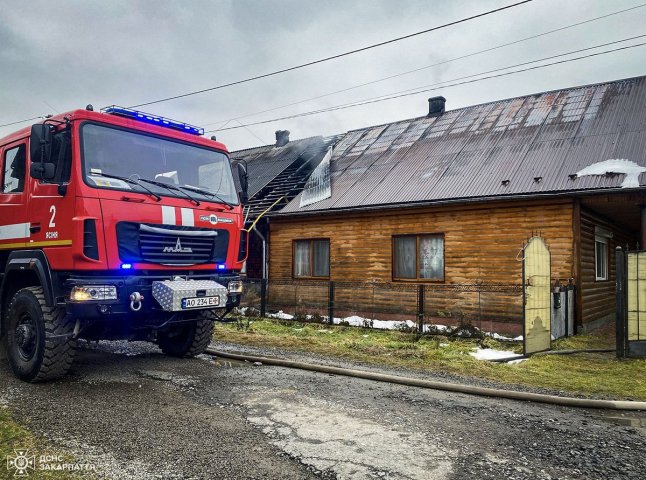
[
  {"x": 282, "y": 138},
  {"x": 436, "y": 106}
]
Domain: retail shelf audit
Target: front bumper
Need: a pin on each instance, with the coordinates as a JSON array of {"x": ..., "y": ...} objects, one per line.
[{"x": 151, "y": 312}]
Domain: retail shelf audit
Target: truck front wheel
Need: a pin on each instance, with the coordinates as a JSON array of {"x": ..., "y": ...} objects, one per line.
[
  {"x": 39, "y": 338},
  {"x": 187, "y": 339}
]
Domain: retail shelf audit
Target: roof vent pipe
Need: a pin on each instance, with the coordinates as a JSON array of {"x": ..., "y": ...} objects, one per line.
[
  {"x": 436, "y": 106},
  {"x": 282, "y": 138}
]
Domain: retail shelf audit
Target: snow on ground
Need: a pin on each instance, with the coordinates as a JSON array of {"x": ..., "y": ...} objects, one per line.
[
  {"x": 357, "y": 321},
  {"x": 282, "y": 315},
  {"x": 492, "y": 354}
]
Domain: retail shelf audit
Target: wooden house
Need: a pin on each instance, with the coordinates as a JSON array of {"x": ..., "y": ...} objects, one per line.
[{"x": 449, "y": 199}]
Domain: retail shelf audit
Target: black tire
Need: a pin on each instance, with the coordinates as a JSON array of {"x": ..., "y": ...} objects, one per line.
[
  {"x": 188, "y": 339},
  {"x": 39, "y": 344}
]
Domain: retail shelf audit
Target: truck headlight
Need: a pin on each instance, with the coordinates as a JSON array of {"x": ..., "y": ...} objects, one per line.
[
  {"x": 235, "y": 286},
  {"x": 85, "y": 293}
]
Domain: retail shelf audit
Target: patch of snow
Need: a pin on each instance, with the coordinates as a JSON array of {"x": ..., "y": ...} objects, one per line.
[
  {"x": 497, "y": 336},
  {"x": 492, "y": 354},
  {"x": 617, "y": 165},
  {"x": 358, "y": 321},
  {"x": 282, "y": 315},
  {"x": 514, "y": 362}
]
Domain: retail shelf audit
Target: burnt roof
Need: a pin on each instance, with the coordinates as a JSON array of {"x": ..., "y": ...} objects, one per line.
[
  {"x": 531, "y": 145},
  {"x": 280, "y": 172}
]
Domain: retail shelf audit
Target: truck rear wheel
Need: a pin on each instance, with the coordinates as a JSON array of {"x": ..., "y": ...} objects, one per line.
[
  {"x": 39, "y": 343},
  {"x": 187, "y": 339}
]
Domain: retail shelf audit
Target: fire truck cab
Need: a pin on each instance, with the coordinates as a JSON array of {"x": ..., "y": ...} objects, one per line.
[{"x": 115, "y": 225}]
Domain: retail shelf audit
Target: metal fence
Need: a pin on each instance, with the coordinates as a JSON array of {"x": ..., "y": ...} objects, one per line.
[{"x": 486, "y": 306}]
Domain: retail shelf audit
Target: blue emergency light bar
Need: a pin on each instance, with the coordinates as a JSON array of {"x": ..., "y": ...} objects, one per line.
[{"x": 153, "y": 119}]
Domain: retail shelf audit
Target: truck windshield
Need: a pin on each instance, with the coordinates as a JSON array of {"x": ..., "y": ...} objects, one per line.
[{"x": 124, "y": 153}]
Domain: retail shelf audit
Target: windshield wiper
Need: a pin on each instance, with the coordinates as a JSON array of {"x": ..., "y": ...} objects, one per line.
[
  {"x": 207, "y": 193},
  {"x": 127, "y": 180},
  {"x": 172, "y": 187}
]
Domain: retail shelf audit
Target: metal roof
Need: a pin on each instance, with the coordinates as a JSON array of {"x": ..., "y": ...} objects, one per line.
[
  {"x": 276, "y": 172},
  {"x": 530, "y": 145}
]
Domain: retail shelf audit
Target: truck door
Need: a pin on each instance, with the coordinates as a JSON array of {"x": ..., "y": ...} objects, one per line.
[
  {"x": 14, "y": 224},
  {"x": 51, "y": 210}
]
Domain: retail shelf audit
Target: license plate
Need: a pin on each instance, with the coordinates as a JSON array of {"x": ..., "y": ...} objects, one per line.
[{"x": 200, "y": 302}]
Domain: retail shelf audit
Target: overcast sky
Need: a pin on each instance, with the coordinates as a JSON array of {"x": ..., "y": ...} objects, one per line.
[{"x": 61, "y": 55}]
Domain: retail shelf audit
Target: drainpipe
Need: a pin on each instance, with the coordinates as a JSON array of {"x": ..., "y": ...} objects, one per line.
[{"x": 642, "y": 238}]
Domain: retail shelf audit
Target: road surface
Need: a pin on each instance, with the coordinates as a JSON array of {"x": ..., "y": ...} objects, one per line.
[{"x": 134, "y": 413}]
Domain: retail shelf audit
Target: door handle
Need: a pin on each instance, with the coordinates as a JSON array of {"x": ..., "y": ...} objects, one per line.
[
  {"x": 132, "y": 199},
  {"x": 34, "y": 228}
]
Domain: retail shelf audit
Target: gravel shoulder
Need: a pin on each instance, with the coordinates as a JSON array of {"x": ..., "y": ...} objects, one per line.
[{"x": 138, "y": 414}]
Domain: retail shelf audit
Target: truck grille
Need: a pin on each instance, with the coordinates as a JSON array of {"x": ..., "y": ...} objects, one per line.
[{"x": 171, "y": 245}]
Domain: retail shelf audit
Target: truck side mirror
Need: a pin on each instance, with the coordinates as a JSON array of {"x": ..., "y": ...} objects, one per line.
[
  {"x": 40, "y": 143},
  {"x": 42, "y": 171},
  {"x": 243, "y": 177}
]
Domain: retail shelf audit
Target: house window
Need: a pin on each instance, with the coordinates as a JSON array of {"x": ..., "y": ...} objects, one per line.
[
  {"x": 311, "y": 258},
  {"x": 418, "y": 257},
  {"x": 601, "y": 236}
]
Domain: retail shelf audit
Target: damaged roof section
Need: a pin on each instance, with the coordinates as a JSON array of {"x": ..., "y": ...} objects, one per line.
[
  {"x": 279, "y": 171},
  {"x": 528, "y": 145}
]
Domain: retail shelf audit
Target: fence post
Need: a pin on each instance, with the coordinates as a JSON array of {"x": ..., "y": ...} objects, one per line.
[
  {"x": 330, "y": 304},
  {"x": 620, "y": 264},
  {"x": 263, "y": 297},
  {"x": 420, "y": 308}
]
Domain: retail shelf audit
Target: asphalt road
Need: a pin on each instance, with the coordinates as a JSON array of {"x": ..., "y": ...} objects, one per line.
[{"x": 134, "y": 413}]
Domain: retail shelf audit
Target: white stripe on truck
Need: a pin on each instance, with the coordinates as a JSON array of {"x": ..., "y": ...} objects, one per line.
[
  {"x": 168, "y": 215},
  {"x": 17, "y": 230},
  {"x": 188, "y": 219}
]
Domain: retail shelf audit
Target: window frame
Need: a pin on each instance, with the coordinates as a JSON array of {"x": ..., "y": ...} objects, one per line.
[
  {"x": 311, "y": 241},
  {"x": 3, "y": 163},
  {"x": 606, "y": 267},
  {"x": 166, "y": 193},
  {"x": 417, "y": 278}
]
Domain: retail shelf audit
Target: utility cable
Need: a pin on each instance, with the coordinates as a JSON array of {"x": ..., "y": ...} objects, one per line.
[
  {"x": 399, "y": 95},
  {"x": 333, "y": 57},
  {"x": 20, "y": 121},
  {"x": 444, "y": 62}
]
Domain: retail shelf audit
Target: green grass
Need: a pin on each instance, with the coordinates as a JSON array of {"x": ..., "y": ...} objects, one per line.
[
  {"x": 582, "y": 374},
  {"x": 15, "y": 437}
]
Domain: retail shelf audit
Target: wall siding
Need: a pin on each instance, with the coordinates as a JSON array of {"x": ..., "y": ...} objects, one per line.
[
  {"x": 482, "y": 243},
  {"x": 598, "y": 297}
]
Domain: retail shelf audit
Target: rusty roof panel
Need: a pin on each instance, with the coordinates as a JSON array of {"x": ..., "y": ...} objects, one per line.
[{"x": 527, "y": 145}]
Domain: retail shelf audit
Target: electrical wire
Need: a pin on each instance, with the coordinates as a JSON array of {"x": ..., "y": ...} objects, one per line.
[
  {"x": 440, "y": 84},
  {"x": 444, "y": 62},
  {"x": 20, "y": 121},
  {"x": 333, "y": 57},
  {"x": 400, "y": 95}
]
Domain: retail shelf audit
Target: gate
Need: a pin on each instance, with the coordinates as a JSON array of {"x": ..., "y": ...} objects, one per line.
[
  {"x": 631, "y": 303},
  {"x": 536, "y": 297}
]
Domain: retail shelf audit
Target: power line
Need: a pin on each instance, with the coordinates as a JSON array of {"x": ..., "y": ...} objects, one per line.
[
  {"x": 20, "y": 121},
  {"x": 381, "y": 99},
  {"x": 333, "y": 57},
  {"x": 426, "y": 67},
  {"x": 435, "y": 85}
]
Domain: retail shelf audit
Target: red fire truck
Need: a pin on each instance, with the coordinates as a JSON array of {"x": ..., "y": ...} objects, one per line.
[{"x": 115, "y": 225}]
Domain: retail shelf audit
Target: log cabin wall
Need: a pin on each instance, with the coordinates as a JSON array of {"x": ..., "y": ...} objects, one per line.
[
  {"x": 482, "y": 243},
  {"x": 597, "y": 302}
]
